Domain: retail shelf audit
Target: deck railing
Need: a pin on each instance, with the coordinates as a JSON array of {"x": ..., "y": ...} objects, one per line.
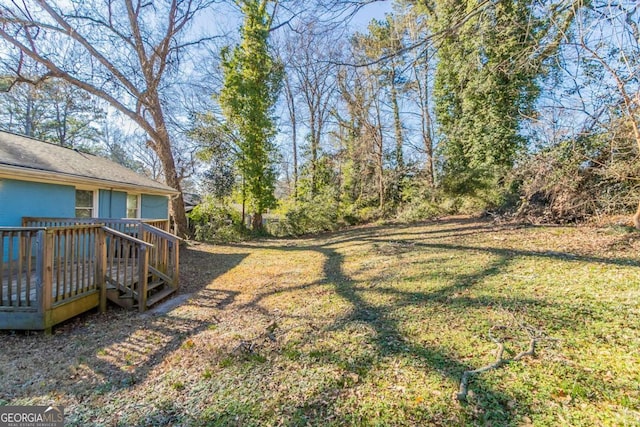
[
  {"x": 164, "y": 256},
  {"x": 20, "y": 261},
  {"x": 127, "y": 265},
  {"x": 48, "y": 275},
  {"x": 75, "y": 267},
  {"x": 124, "y": 225},
  {"x": 64, "y": 267}
]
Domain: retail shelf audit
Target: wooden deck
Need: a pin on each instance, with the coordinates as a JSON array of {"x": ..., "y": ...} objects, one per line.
[{"x": 54, "y": 270}]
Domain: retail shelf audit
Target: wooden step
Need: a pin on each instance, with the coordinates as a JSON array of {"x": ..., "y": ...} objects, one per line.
[
  {"x": 112, "y": 293},
  {"x": 112, "y": 284},
  {"x": 127, "y": 302},
  {"x": 124, "y": 301},
  {"x": 152, "y": 285},
  {"x": 159, "y": 296}
]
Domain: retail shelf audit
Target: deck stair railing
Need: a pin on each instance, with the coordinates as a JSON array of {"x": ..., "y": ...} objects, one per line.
[
  {"x": 164, "y": 256},
  {"x": 127, "y": 268}
]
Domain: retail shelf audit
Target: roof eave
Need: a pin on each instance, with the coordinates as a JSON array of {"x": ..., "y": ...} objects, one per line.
[{"x": 52, "y": 177}]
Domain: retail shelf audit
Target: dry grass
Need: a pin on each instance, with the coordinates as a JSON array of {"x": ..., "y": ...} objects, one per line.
[{"x": 373, "y": 326}]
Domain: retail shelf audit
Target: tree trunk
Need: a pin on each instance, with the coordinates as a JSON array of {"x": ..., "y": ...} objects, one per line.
[
  {"x": 380, "y": 155},
  {"x": 291, "y": 105},
  {"x": 428, "y": 147},
  {"x": 636, "y": 134},
  {"x": 176, "y": 202},
  {"x": 295, "y": 160},
  {"x": 397, "y": 124},
  {"x": 314, "y": 151},
  {"x": 256, "y": 221},
  {"x": 28, "y": 126},
  {"x": 162, "y": 146},
  {"x": 427, "y": 136}
]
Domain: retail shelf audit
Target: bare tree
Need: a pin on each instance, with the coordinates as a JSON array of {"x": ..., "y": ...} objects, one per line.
[
  {"x": 310, "y": 64},
  {"x": 362, "y": 95},
  {"x": 374, "y": 132},
  {"x": 123, "y": 51},
  {"x": 420, "y": 87},
  {"x": 607, "y": 48},
  {"x": 293, "y": 118}
]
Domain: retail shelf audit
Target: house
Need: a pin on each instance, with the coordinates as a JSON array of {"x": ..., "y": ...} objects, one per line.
[
  {"x": 191, "y": 200},
  {"x": 38, "y": 179},
  {"x": 76, "y": 231}
]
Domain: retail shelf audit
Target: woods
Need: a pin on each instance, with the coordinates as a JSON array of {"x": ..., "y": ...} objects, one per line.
[{"x": 311, "y": 117}]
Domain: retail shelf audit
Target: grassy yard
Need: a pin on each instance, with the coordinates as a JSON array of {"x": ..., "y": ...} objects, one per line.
[{"x": 372, "y": 326}]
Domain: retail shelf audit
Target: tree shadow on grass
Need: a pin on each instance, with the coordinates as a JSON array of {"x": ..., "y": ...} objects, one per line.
[
  {"x": 389, "y": 341},
  {"x": 101, "y": 353},
  {"x": 491, "y": 405}
]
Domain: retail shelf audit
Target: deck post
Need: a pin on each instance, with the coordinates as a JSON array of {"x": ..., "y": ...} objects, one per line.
[
  {"x": 40, "y": 267},
  {"x": 176, "y": 264},
  {"x": 143, "y": 278},
  {"x": 164, "y": 243},
  {"x": 101, "y": 263},
  {"x": 47, "y": 253}
]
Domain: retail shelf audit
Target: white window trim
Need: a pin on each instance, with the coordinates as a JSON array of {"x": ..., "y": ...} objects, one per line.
[{"x": 95, "y": 211}]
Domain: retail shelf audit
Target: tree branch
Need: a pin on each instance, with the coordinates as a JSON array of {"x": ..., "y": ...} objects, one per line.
[
  {"x": 71, "y": 32},
  {"x": 464, "y": 381}
]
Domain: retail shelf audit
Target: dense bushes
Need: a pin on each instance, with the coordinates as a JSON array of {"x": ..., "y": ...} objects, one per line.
[
  {"x": 579, "y": 179},
  {"x": 313, "y": 215},
  {"x": 215, "y": 221}
]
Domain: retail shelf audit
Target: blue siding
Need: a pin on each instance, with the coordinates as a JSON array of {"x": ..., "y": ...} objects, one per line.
[
  {"x": 154, "y": 207},
  {"x": 32, "y": 199},
  {"x": 21, "y": 198},
  {"x": 113, "y": 204}
]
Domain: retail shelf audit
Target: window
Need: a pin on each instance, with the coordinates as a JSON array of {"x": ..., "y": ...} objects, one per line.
[
  {"x": 84, "y": 204},
  {"x": 133, "y": 205}
]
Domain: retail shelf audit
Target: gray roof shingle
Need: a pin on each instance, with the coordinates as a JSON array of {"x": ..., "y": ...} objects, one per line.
[{"x": 28, "y": 154}]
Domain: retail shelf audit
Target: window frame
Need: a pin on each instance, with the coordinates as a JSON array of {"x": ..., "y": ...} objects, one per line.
[
  {"x": 94, "y": 201},
  {"x": 138, "y": 197}
]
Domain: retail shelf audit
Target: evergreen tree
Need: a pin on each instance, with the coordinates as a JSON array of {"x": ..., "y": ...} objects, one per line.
[
  {"x": 53, "y": 111},
  {"x": 486, "y": 84},
  {"x": 252, "y": 80}
]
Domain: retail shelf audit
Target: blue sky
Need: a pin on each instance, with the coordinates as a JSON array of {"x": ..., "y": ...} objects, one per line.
[
  {"x": 375, "y": 10},
  {"x": 228, "y": 18}
]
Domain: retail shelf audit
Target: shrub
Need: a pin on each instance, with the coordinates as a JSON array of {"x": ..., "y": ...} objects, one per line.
[
  {"x": 577, "y": 179},
  {"x": 416, "y": 212},
  {"x": 305, "y": 217},
  {"x": 214, "y": 221}
]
